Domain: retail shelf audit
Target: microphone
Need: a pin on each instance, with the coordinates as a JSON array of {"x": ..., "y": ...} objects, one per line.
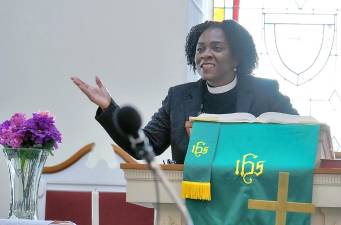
[{"x": 128, "y": 122}]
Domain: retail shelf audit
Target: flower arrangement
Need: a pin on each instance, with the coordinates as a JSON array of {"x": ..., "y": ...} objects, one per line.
[
  {"x": 37, "y": 132},
  {"x": 27, "y": 143}
]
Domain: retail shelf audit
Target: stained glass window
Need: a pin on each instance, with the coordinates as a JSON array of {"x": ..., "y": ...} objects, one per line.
[
  {"x": 222, "y": 9},
  {"x": 297, "y": 44}
]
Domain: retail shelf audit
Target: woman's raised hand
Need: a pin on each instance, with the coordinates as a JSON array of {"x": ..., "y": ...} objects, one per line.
[{"x": 97, "y": 94}]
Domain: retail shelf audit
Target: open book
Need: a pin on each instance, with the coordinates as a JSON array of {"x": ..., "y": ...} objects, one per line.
[
  {"x": 325, "y": 143},
  {"x": 268, "y": 117},
  {"x": 325, "y": 147}
]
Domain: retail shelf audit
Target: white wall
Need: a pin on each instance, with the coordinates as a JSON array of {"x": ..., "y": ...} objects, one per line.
[{"x": 136, "y": 47}]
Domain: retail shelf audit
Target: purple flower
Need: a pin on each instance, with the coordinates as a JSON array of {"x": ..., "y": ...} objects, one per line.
[
  {"x": 10, "y": 135},
  {"x": 18, "y": 119},
  {"x": 38, "y": 132}
]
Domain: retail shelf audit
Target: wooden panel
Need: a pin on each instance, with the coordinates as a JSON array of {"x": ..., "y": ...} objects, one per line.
[
  {"x": 113, "y": 209},
  {"x": 69, "y": 206}
]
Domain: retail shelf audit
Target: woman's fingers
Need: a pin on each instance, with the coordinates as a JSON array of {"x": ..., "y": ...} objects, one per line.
[
  {"x": 78, "y": 82},
  {"x": 81, "y": 84},
  {"x": 97, "y": 94},
  {"x": 99, "y": 82}
]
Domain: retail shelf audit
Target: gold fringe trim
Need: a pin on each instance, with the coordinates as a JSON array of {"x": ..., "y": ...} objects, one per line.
[{"x": 196, "y": 190}]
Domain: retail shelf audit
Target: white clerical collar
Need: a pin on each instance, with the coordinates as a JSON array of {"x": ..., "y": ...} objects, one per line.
[{"x": 222, "y": 89}]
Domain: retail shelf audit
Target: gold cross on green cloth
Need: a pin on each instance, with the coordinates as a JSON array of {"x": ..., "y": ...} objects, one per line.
[{"x": 281, "y": 206}]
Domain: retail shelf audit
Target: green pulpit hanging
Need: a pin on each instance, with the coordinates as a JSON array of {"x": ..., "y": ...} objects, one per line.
[{"x": 250, "y": 173}]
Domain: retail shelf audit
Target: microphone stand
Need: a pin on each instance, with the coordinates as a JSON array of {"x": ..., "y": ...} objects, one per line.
[{"x": 146, "y": 152}]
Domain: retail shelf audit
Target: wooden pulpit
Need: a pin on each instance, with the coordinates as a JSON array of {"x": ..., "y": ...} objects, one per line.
[{"x": 141, "y": 191}]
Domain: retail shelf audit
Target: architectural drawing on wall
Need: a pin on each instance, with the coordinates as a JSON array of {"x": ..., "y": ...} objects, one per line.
[
  {"x": 299, "y": 44},
  {"x": 300, "y": 3},
  {"x": 332, "y": 104},
  {"x": 335, "y": 100}
]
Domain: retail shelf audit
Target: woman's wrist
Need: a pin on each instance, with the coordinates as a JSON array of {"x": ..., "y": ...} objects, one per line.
[{"x": 105, "y": 105}]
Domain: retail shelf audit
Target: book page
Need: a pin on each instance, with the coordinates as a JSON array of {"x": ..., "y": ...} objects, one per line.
[
  {"x": 268, "y": 117},
  {"x": 276, "y": 117},
  {"x": 232, "y": 117},
  {"x": 325, "y": 142}
]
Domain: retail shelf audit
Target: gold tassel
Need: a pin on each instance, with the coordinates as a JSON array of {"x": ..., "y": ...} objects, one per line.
[{"x": 196, "y": 190}]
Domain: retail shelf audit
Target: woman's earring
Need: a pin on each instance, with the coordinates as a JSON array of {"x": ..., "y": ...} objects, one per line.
[{"x": 235, "y": 69}]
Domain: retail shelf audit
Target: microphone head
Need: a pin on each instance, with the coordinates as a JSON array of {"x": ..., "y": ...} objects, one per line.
[{"x": 128, "y": 120}]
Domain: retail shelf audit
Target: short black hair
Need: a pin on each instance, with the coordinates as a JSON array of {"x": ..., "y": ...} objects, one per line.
[{"x": 239, "y": 40}]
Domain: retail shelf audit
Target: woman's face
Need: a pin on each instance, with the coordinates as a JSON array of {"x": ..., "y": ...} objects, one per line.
[{"x": 213, "y": 58}]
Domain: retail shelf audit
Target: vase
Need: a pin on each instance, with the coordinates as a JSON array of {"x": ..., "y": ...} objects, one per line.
[{"x": 25, "y": 166}]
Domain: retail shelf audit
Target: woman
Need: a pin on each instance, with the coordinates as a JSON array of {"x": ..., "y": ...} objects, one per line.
[{"x": 224, "y": 55}]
